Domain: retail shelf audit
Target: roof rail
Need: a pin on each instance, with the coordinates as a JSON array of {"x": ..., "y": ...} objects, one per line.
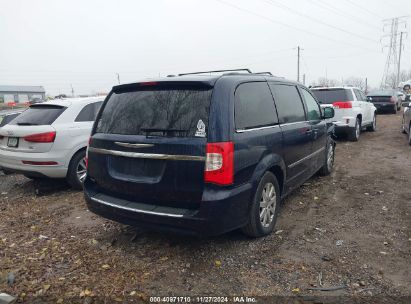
[
  {"x": 264, "y": 73},
  {"x": 218, "y": 71}
]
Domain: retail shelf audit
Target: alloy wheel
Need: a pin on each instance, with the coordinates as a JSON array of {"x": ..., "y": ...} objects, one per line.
[
  {"x": 357, "y": 130},
  {"x": 268, "y": 203},
  {"x": 81, "y": 170}
]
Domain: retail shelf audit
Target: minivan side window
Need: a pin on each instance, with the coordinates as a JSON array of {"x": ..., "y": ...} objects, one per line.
[
  {"x": 289, "y": 104},
  {"x": 89, "y": 112},
  {"x": 254, "y": 106},
  {"x": 313, "y": 110}
]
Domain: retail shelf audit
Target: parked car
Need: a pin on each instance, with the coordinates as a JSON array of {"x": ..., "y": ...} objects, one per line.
[
  {"x": 352, "y": 110},
  {"x": 50, "y": 139},
  {"x": 385, "y": 100},
  {"x": 6, "y": 116},
  {"x": 406, "y": 120},
  {"x": 205, "y": 154}
]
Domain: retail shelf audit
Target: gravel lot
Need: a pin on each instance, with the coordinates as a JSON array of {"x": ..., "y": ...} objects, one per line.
[{"x": 351, "y": 230}]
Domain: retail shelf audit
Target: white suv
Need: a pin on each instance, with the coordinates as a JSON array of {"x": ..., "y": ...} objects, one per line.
[
  {"x": 50, "y": 139},
  {"x": 353, "y": 112}
]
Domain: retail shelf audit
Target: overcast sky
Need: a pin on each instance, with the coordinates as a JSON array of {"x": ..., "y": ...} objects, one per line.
[{"x": 85, "y": 43}]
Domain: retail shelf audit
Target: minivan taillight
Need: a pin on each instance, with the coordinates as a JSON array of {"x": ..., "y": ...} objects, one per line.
[
  {"x": 342, "y": 104},
  {"x": 219, "y": 166},
  {"x": 392, "y": 99},
  {"x": 41, "y": 137}
]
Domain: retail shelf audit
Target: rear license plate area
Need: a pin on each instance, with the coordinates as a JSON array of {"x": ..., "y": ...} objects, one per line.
[
  {"x": 13, "y": 142},
  {"x": 136, "y": 169}
]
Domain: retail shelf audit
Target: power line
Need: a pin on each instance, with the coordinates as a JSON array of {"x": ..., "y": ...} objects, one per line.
[
  {"x": 338, "y": 11},
  {"x": 364, "y": 9},
  {"x": 290, "y": 26},
  {"x": 280, "y": 5}
]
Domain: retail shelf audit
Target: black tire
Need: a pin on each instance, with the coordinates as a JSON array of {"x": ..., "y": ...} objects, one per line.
[
  {"x": 329, "y": 158},
  {"x": 394, "y": 111},
  {"x": 255, "y": 227},
  {"x": 72, "y": 177},
  {"x": 354, "y": 134},
  {"x": 373, "y": 126},
  {"x": 409, "y": 135}
]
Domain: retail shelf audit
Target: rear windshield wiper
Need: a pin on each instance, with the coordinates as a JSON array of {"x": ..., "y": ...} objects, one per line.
[
  {"x": 26, "y": 124},
  {"x": 164, "y": 131}
]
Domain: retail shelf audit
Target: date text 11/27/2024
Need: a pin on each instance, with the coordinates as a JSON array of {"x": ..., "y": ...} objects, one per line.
[{"x": 203, "y": 299}]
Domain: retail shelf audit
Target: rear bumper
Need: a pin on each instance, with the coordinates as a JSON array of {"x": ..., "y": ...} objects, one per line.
[
  {"x": 385, "y": 106},
  {"x": 220, "y": 211},
  {"x": 13, "y": 161}
]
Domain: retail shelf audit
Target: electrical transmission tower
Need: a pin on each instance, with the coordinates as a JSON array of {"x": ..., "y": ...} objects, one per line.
[{"x": 390, "y": 76}]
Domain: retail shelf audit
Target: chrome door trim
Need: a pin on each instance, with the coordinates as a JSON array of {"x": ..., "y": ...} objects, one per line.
[
  {"x": 146, "y": 155},
  {"x": 135, "y": 209},
  {"x": 256, "y": 129},
  {"x": 129, "y": 145},
  {"x": 305, "y": 158},
  {"x": 293, "y": 123}
]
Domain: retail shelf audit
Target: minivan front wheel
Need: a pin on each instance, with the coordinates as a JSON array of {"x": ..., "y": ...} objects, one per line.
[
  {"x": 264, "y": 208},
  {"x": 77, "y": 170}
]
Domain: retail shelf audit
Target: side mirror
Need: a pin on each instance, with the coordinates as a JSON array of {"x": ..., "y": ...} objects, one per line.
[
  {"x": 406, "y": 104},
  {"x": 328, "y": 112}
]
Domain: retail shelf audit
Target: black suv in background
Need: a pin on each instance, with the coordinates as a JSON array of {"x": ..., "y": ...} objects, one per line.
[{"x": 205, "y": 153}]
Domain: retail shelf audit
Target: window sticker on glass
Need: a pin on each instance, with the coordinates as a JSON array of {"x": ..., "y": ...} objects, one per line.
[{"x": 201, "y": 132}]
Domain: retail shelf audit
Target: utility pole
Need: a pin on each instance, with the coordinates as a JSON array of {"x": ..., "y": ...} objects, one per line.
[
  {"x": 399, "y": 60},
  {"x": 366, "y": 85},
  {"x": 304, "y": 79},
  {"x": 298, "y": 64},
  {"x": 118, "y": 78},
  {"x": 72, "y": 90}
]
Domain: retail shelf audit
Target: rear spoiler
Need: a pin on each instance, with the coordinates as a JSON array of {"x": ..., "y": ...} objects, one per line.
[{"x": 149, "y": 85}]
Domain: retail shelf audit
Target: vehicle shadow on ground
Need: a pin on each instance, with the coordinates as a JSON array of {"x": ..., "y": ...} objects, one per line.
[{"x": 18, "y": 184}]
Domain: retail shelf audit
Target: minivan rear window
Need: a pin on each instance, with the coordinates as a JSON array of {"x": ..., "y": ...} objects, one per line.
[
  {"x": 39, "y": 115},
  {"x": 328, "y": 96},
  {"x": 171, "y": 112}
]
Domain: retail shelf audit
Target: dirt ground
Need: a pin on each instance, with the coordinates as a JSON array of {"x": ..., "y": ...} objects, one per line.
[{"x": 350, "y": 231}]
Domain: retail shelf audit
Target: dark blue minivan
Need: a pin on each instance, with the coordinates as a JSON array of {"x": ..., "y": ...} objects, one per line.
[{"x": 205, "y": 154}]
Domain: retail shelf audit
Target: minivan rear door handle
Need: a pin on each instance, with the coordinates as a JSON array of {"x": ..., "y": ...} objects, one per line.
[{"x": 307, "y": 131}]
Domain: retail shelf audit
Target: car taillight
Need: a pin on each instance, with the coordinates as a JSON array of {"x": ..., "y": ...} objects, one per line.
[
  {"x": 342, "y": 104},
  {"x": 392, "y": 100},
  {"x": 219, "y": 166},
  {"x": 41, "y": 137}
]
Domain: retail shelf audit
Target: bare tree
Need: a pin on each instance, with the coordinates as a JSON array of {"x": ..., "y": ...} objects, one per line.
[
  {"x": 326, "y": 82},
  {"x": 356, "y": 82}
]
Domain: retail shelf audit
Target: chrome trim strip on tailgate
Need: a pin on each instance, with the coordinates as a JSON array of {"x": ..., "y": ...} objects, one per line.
[
  {"x": 134, "y": 209},
  {"x": 129, "y": 145},
  {"x": 146, "y": 155}
]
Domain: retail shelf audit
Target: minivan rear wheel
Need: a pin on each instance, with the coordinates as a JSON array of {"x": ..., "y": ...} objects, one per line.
[
  {"x": 264, "y": 208},
  {"x": 77, "y": 170}
]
